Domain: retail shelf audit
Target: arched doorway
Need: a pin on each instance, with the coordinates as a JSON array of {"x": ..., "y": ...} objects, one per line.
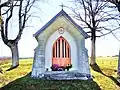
[{"x": 61, "y": 52}]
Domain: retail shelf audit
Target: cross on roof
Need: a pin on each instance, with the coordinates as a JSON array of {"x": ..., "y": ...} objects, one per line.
[{"x": 62, "y": 5}]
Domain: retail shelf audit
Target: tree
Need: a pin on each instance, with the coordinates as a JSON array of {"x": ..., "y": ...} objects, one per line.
[
  {"x": 2, "y": 5},
  {"x": 117, "y": 5},
  {"x": 21, "y": 9},
  {"x": 115, "y": 2},
  {"x": 96, "y": 16}
]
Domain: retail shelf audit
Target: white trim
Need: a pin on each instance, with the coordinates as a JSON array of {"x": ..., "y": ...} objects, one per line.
[{"x": 49, "y": 44}]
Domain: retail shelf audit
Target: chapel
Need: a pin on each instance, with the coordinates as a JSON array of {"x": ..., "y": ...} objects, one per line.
[{"x": 61, "y": 49}]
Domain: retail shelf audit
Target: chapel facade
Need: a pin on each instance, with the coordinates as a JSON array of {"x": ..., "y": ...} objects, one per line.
[{"x": 61, "y": 42}]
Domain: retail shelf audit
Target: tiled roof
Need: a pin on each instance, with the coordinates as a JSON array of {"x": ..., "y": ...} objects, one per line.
[{"x": 62, "y": 12}]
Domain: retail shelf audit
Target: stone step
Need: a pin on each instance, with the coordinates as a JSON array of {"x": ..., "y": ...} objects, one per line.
[{"x": 66, "y": 75}]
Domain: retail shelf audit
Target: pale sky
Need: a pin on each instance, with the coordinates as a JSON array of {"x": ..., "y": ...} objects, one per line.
[{"x": 106, "y": 46}]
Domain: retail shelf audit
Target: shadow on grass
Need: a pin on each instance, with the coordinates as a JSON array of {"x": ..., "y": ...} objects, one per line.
[
  {"x": 28, "y": 83},
  {"x": 11, "y": 68},
  {"x": 1, "y": 70},
  {"x": 96, "y": 68}
]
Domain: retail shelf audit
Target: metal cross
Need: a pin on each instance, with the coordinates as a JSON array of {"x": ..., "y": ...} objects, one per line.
[{"x": 61, "y": 5}]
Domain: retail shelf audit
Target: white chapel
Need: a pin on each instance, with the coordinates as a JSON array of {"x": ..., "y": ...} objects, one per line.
[{"x": 61, "y": 42}]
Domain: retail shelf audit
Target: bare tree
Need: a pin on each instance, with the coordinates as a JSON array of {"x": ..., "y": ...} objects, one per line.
[
  {"x": 2, "y": 5},
  {"x": 21, "y": 10},
  {"x": 96, "y": 17},
  {"x": 117, "y": 5},
  {"x": 115, "y": 2}
]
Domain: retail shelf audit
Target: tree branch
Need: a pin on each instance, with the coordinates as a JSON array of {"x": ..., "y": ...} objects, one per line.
[{"x": 7, "y": 20}]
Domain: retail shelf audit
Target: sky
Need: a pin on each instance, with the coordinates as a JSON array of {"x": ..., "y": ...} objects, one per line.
[{"x": 105, "y": 46}]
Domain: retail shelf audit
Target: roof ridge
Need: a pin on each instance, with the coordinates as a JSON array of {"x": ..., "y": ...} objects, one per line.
[{"x": 62, "y": 12}]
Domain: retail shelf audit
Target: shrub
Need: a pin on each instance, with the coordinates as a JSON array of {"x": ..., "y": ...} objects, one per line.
[
  {"x": 60, "y": 69},
  {"x": 55, "y": 67},
  {"x": 68, "y": 67}
]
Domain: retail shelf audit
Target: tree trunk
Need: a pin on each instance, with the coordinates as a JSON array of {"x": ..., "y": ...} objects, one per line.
[
  {"x": 118, "y": 72},
  {"x": 15, "y": 55},
  {"x": 93, "y": 49},
  {"x": 93, "y": 54}
]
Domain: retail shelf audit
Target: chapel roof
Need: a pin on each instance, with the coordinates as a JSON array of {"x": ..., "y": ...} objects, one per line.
[{"x": 63, "y": 13}]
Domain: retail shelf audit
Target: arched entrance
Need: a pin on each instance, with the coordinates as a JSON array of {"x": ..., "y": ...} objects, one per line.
[{"x": 61, "y": 52}]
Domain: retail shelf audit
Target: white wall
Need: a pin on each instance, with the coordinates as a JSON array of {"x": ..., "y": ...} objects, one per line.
[{"x": 49, "y": 44}]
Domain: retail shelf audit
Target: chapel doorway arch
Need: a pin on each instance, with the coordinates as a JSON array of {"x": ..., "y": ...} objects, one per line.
[{"x": 61, "y": 52}]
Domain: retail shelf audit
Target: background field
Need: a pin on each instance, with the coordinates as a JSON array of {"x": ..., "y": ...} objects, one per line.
[{"x": 19, "y": 78}]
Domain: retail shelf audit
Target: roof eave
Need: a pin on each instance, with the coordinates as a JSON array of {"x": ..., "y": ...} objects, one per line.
[{"x": 62, "y": 12}]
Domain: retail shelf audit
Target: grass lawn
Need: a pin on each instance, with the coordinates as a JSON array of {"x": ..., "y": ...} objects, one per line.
[
  {"x": 19, "y": 78},
  {"x": 107, "y": 79}
]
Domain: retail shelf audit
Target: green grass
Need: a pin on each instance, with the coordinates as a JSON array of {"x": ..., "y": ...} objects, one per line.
[
  {"x": 19, "y": 78},
  {"x": 108, "y": 65}
]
